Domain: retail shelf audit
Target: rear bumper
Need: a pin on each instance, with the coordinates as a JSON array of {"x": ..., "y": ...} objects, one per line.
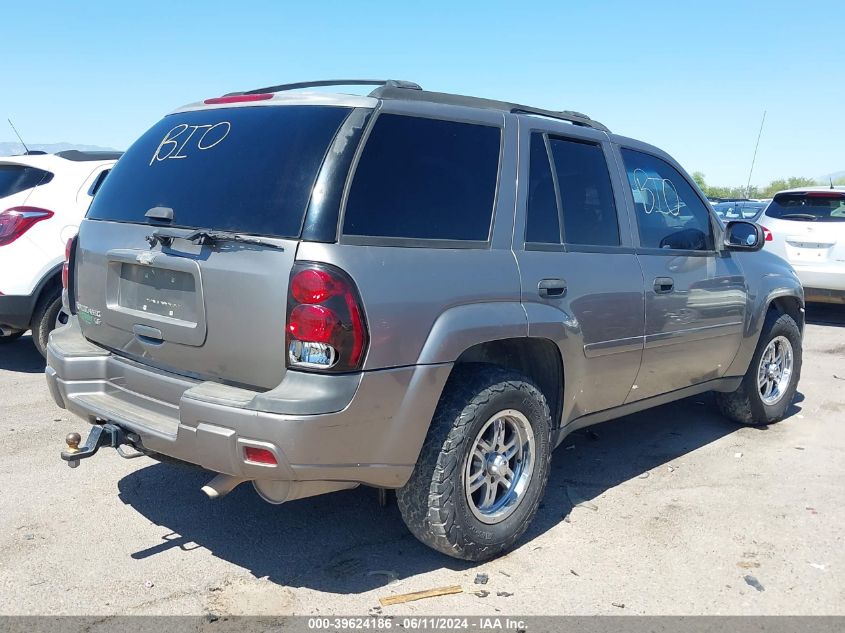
[
  {"x": 363, "y": 428},
  {"x": 827, "y": 278},
  {"x": 16, "y": 311}
]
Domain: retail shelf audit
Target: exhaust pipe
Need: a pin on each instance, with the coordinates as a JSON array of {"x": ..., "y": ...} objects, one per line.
[
  {"x": 221, "y": 485},
  {"x": 5, "y": 330}
]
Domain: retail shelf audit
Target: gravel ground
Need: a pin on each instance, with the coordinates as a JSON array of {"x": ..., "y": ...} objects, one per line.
[{"x": 678, "y": 512}]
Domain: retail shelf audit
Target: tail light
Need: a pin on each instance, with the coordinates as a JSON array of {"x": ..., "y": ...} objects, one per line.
[
  {"x": 767, "y": 233},
  {"x": 66, "y": 264},
  {"x": 16, "y": 221},
  {"x": 326, "y": 329}
]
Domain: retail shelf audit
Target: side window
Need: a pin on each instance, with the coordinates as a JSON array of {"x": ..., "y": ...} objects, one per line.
[
  {"x": 669, "y": 213},
  {"x": 17, "y": 178},
  {"x": 586, "y": 195},
  {"x": 542, "y": 221},
  {"x": 425, "y": 179}
]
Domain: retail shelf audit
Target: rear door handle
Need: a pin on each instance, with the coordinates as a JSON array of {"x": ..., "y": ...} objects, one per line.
[
  {"x": 551, "y": 288},
  {"x": 663, "y": 285}
]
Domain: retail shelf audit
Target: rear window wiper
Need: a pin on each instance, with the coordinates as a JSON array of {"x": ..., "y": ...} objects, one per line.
[
  {"x": 799, "y": 216},
  {"x": 207, "y": 236}
]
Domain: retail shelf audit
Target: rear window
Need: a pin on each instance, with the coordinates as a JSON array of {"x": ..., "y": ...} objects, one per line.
[
  {"x": 17, "y": 178},
  {"x": 814, "y": 206},
  {"x": 425, "y": 179},
  {"x": 249, "y": 170},
  {"x": 738, "y": 210}
]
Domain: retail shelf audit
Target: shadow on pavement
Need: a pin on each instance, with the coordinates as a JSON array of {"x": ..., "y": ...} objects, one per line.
[
  {"x": 825, "y": 314},
  {"x": 21, "y": 355},
  {"x": 334, "y": 542}
]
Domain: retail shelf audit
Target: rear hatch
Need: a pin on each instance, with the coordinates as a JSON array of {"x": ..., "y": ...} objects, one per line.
[
  {"x": 811, "y": 226},
  {"x": 184, "y": 257}
]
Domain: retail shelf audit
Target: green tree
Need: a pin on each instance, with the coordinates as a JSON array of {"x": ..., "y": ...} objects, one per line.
[{"x": 788, "y": 183}]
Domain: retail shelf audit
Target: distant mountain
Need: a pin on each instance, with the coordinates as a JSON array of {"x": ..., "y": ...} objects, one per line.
[
  {"x": 835, "y": 176},
  {"x": 11, "y": 148}
]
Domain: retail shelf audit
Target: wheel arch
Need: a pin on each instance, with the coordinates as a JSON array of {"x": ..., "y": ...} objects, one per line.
[
  {"x": 774, "y": 295},
  {"x": 539, "y": 359}
]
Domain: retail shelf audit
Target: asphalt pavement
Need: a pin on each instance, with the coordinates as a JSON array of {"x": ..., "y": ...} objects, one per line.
[{"x": 675, "y": 510}]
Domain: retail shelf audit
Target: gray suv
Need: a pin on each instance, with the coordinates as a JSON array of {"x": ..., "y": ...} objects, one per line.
[{"x": 409, "y": 290}]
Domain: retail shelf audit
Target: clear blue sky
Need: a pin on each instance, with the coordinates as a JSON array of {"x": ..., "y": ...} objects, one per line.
[{"x": 691, "y": 77}]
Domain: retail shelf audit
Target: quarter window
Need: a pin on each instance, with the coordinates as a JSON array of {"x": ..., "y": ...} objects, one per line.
[
  {"x": 427, "y": 179},
  {"x": 17, "y": 178},
  {"x": 669, "y": 213}
]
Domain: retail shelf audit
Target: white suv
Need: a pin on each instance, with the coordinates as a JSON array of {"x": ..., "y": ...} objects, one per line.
[
  {"x": 807, "y": 228},
  {"x": 43, "y": 198}
]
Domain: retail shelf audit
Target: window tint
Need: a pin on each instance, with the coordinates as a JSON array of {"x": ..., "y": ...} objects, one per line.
[
  {"x": 589, "y": 211},
  {"x": 816, "y": 206},
  {"x": 542, "y": 223},
  {"x": 249, "y": 170},
  {"x": 425, "y": 179},
  {"x": 669, "y": 213},
  {"x": 17, "y": 178}
]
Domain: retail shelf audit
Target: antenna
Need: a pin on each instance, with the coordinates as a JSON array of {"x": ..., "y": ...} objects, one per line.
[
  {"x": 754, "y": 159},
  {"x": 15, "y": 130},
  {"x": 831, "y": 182}
]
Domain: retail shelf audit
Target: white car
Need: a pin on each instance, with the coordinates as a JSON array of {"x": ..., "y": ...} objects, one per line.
[
  {"x": 43, "y": 198},
  {"x": 807, "y": 228}
]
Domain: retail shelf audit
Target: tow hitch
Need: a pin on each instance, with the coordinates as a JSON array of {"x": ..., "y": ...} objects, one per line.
[{"x": 100, "y": 435}]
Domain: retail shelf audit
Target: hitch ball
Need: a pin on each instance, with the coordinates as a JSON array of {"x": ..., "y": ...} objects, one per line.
[{"x": 72, "y": 440}]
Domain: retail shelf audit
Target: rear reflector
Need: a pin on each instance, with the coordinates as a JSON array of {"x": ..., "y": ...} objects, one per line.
[
  {"x": 239, "y": 98},
  {"x": 259, "y": 455}
]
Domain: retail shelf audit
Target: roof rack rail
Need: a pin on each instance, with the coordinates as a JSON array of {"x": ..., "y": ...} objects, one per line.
[
  {"x": 397, "y": 92},
  {"x": 576, "y": 118},
  {"x": 393, "y": 83}
]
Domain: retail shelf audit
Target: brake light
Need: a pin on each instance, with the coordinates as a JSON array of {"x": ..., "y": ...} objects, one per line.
[
  {"x": 239, "y": 98},
  {"x": 836, "y": 195},
  {"x": 767, "y": 233},
  {"x": 16, "y": 221},
  {"x": 326, "y": 329}
]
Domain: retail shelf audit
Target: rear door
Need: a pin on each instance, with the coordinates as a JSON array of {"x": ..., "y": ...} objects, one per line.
[
  {"x": 695, "y": 296},
  {"x": 213, "y": 310},
  {"x": 581, "y": 283}
]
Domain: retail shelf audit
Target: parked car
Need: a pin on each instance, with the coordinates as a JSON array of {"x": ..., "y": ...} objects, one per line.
[
  {"x": 739, "y": 209},
  {"x": 43, "y": 197},
  {"x": 410, "y": 290},
  {"x": 807, "y": 228}
]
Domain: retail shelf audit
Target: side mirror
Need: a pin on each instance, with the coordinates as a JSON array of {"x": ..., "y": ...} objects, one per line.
[{"x": 741, "y": 235}]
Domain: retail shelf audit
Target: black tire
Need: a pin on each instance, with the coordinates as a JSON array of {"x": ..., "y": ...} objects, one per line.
[
  {"x": 434, "y": 502},
  {"x": 44, "y": 318},
  {"x": 746, "y": 405},
  {"x": 9, "y": 338}
]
